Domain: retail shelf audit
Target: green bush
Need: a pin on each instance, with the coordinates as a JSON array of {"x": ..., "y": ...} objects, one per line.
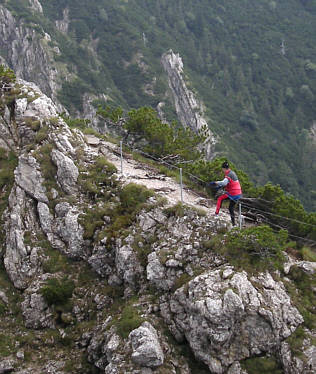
[
  {"x": 253, "y": 249},
  {"x": 133, "y": 196},
  {"x": 57, "y": 291}
]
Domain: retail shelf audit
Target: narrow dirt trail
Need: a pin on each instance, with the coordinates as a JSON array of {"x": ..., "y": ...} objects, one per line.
[{"x": 141, "y": 173}]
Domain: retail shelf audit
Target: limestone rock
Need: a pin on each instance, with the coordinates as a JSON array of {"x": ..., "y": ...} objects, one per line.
[
  {"x": 146, "y": 347},
  {"x": 22, "y": 262},
  {"x": 187, "y": 107},
  {"x": 29, "y": 178},
  {"x": 127, "y": 264},
  {"x": 227, "y": 320},
  {"x": 35, "y": 311},
  {"x": 67, "y": 172},
  {"x": 69, "y": 230},
  {"x": 6, "y": 366}
]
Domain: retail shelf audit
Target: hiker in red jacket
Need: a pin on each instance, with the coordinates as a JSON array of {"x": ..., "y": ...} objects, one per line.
[{"x": 233, "y": 190}]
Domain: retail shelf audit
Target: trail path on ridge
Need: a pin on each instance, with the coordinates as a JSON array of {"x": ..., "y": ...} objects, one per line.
[{"x": 141, "y": 173}]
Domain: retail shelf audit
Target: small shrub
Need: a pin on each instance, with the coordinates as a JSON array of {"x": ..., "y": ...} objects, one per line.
[
  {"x": 98, "y": 176},
  {"x": 133, "y": 196},
  {"x": 56, "y": 262},
  {"x": 177, "y": 210},
  {"x": 6, "y": 345},
  {"x": 57, "y": 292}
]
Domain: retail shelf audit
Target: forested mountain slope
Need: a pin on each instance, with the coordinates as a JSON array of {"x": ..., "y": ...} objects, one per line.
[{"x": 252, "y": 63}]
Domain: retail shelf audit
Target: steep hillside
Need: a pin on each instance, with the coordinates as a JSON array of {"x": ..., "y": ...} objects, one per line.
[
  {"x": 251, "y": 63},
  {"x": 100, "y": 275}
]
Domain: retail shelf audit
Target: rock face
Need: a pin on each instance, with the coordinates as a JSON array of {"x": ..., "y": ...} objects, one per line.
[
  {"x": 118, "y": 280},
  {"x": 27, "y": 52},
  {"x": 188, "y": 108},
  {"x": 226, "y": 319}
]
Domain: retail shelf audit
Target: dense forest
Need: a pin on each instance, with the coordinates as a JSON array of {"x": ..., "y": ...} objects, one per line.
[{"x": 252, "y": 63}]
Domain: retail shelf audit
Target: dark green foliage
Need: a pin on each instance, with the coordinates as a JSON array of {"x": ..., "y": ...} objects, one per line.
[
  {"x": 262, "y": 365},
  {"x": 8, "y": 163},
  {"x": 253, "y": 249},
  {"x": 259, "y": 97},
  {"x": 57, "y": 291},
  {"x": 163, "y": 139},
  {"x": 296, "y": 341},
  {"x": 114, "y": 114},
  {"x": 296, "y": 220},
  {"x": 92, "y": 219}
]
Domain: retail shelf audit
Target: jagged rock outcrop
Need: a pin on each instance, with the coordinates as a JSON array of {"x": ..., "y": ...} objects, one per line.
[
  {"x": 123, "y": 276},
  {"x": 26, "y": 52},
  {"x": 225, "y": 318},
  {"x": 189, "y": 110}
]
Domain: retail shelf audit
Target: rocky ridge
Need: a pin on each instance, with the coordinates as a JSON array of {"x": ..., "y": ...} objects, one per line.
[{"x": 145, "y": 288}]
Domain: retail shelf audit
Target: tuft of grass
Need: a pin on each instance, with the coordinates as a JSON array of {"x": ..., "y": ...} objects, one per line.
[
  {"x": 177, "y": 210},
  {"x": 308, "y": 254},
  {"x": 129, "y": 320},
  {"x": 182, "y": 280},
  {"x": 133, "y": 196},
  {"x": 262, "y": 365},
  {"x": 56, "y": 262},
  {"x": 42, "y": 134},
  {"x": 98, "y": 177}
]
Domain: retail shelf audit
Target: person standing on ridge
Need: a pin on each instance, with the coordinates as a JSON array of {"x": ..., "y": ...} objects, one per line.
[{"x": 233, "y": 190}]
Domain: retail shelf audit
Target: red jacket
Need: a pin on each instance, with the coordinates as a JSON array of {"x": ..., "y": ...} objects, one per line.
[{"x": 233, "y": 187}]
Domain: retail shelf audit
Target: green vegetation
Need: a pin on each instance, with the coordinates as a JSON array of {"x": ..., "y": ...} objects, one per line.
[
  {"x": 281, "y": 209},
  {"x": 177, "y": 210},
  {"x": 128, "y": 321},
  {"x": 133, "y": 197},
  {"x": 262, "y": 365},
  {"x": 252, "y": 249},
  {"x": 305, "y": 297},
  {"x": 56, "y": 262},
  {"x": 57, "y": 291},
  {"x": 98, "y": 178},
  {"x": 256, "y": 79},
  {"x": 8, "y": 163}
]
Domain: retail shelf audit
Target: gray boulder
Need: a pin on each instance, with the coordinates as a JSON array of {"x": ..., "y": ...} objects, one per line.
[{"x": 146, "y": 347}]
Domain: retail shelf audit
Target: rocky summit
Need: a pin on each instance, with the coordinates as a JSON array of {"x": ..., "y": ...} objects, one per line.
[{"x": 101, "y": 274}]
